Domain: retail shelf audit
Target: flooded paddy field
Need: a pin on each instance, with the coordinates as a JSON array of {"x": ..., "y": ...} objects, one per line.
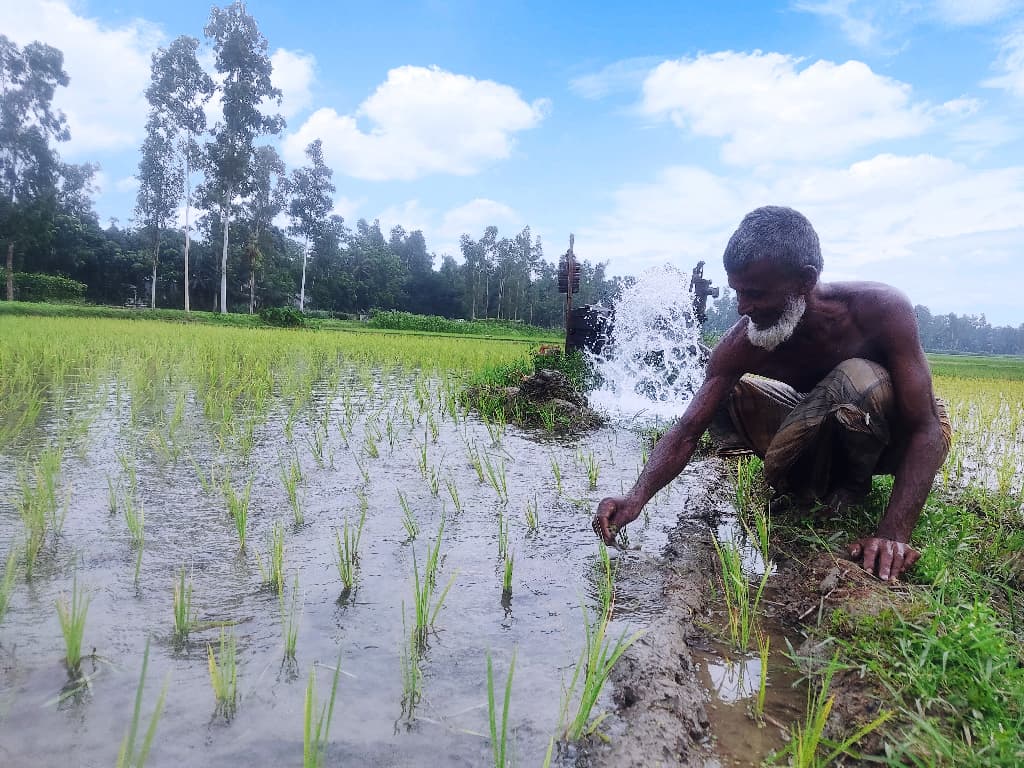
[{"x": 158, "y": 448}]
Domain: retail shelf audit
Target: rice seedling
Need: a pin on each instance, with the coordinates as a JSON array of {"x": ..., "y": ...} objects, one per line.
[
  {"x": 412, "y": 675},
  {"x": 506, "y": 581},
  {"x": 184, "y": 616},
  {"x": 422, "y": 462},
  {"x": 127, "y": 756},
  {"x": 315, "y": 733},
  {"x": 807, "y": 741},
  {"x": 290, "y": 620},
  {"x": 499, "y": 740},
  {"x": 496, "y": 475},
  {"x": 496, "y": 427},
  {"x": 434, "y": 481},
  {"x": 532, "y": 516},
  {"x": 127, "y": 462},
  {"x": 593, "y": 467},
  {"x": 748, "y": 472},
  {"x": 453, "y": 491},
  {"x": 473, "y": 454},
  {"x": 740, "y": 605},
  {"x": 427, "y": 607},
  {"x": 503, "y": 526},
  {"x": 272, "y": 573},
  {"x": 238, "y": 507},
  {"x": 111, "y": 496},
  {"x": 134, "y": 518},
  {"x": 556, "y": 472},
  {"x": 370, "y": 442},
  {"x": 408, "y": 518},
  {"x": 7, "y": 580},
  {"x": 224, "y": 674},
  {"x": 291, "y": 479},
  {"x": 347, "y": 551},
  {"x": 72, "y": 624},
  {"x": 763, "y": 649},
  {"x": 591, "y": 672},
  {"x": 33, "y": 516}
]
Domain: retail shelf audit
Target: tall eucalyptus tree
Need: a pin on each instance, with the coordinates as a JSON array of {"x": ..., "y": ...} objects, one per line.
[
  {"x": 310, "y": 205},
  {"x": 177, "y": 93},
  {"x": 29, "y": 166},
  {"x": 160, "y": 186},
  {"x": 269, "y": 193},
  {"x": 244, "y": 67}
]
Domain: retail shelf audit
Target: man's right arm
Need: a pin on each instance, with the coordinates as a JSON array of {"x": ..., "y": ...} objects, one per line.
[{"x": 673, "y": 451}]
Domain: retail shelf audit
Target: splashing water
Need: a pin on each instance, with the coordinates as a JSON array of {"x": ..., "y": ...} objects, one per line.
[{"x": 652, "y": 366}]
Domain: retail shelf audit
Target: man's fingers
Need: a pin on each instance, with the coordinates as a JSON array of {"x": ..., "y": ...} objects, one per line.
[
  {"x": 870, "y": 555},
  {"x": 898, "y": 562},
  {"x": 885, "y": 560},
  {"x": 855, "y": 549},
  {"x": 910, "y": 557}
]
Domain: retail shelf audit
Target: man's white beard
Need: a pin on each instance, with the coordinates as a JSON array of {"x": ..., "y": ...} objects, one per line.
[{"x": 769, "y": 338}]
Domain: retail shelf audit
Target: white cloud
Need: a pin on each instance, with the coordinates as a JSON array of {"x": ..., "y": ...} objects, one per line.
[
  {"x": 473, "y": 217},
  {"x": 965, "y": 13},
  {"x": 878, "y": 219},
  {"x": 108, "y": 66},
  {"x": 421, "y": 121},
  {"x": 768, "y": 109},
  {"x": 127, "y": 184},
  {"x": 861, "y": 30},
  {"x": 625, "y": 75},
  {"x": 293, "y": 74},
  {"x": 1011, "y": 65}
]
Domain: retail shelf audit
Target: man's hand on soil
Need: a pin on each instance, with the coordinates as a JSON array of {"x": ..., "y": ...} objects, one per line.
[
  {"x": 885, "y": 558},
  {"x": 613, "y": 513}
]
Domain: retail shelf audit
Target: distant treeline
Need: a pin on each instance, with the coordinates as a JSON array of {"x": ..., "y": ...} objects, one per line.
[{"x": 939, "y": 333}]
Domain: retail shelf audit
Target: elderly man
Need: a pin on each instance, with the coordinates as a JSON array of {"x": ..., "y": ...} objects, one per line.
[{"x": 826, "y": 382}]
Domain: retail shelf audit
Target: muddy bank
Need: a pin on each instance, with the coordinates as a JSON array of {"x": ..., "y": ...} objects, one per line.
[
  {"x": 666, "y": 714},
  {"x": 661, "y": 715}
]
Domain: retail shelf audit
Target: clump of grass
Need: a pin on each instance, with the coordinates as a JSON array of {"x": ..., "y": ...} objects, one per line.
[
  {"x": 184, "y": 617},
  {"x": 224, "y": 674},
  {"x": 272, "y": 574},
  {"x": 748, "y": 483},
  {"x": 290, "y": 621},
  {"x": 807, "y": 741},
  {"x": 291, "y": 479},
  {"x": 763, "y": 649},
  {"x": 424, "y": 589},
  {"x": 347, "y": 550},
  {"x": 127, "y": 756},
  {"x": 72, "y": 624},
  {"x": 556, "y": 472},
  {"x": 499, "y": 739},
  {"x": 506, "y": 579},
  {"x": 497, "y": 476},
  {"x": 412, "y": 674},
  {"x": 134, "y": 518},
  {"x": 593, "y": 467},
  {"x": 315, "y": 731},
  {"x": 741, "y": 606},
  {"x": 532, "y": 516},
  {"x": 408, "y": 518},
  {"x": 595, "y": 664},
  {"x": 7, "y": 580},
  {"x": 453, "y": 491},
  {"x": 238, "y": 507}
]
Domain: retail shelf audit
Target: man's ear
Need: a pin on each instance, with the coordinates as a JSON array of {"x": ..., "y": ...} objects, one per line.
[{"x": 808, "y": 278}]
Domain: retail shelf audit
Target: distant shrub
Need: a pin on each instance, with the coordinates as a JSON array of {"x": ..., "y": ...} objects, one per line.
[
  {"x": 282, "y": 317},
  {"x": 406, "y": 321},
  {"x": 31, "y": 286}
]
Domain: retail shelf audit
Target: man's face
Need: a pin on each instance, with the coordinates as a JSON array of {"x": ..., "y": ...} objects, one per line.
[{"x": 764, "y": 292}]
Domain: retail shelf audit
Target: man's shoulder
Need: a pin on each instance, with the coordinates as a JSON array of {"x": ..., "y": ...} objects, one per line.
[{"x": 870, "y": 300}]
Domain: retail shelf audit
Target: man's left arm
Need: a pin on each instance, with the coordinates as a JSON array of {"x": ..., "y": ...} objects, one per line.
[{"x": 888, "y": 553}]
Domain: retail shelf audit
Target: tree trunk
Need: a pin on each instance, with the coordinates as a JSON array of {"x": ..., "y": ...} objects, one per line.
[
  {"x": 156, "y": 260},
  {"x": 188, "y": 201},
  {"x": 302, "y": 289},
  {"x": 226, "y": 220},
  {"x": 252, "y": 281},
  {"x": 10, "y": 271}
]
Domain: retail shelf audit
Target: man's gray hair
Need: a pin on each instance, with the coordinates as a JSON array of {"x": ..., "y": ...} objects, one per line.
[{"x": 776, "y": 234}]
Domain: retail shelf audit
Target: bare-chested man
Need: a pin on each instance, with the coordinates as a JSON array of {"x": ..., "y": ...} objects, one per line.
[{"x": 826, "y": 382}]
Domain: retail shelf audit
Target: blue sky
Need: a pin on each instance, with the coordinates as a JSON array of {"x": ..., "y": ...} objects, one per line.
[{"x": 647, "y": 129}]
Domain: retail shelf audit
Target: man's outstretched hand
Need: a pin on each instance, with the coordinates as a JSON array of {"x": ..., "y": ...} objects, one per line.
[
  {"x": 886, "y": 558},
  {"x": 613, "y": 513}
]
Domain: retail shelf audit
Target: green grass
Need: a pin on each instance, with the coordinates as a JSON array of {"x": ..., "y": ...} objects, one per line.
[
  {"x": 272, "y": 574},
  {"x": 128, "y": 756},
  {"x": 427, "y": 602},
  {"x": 10, "y": 574},
  {"x": 184, "y": 616},
  {"x": 224, "y": 674},
  {"x": 316, "y": 728},
  {"x": 71, "y": 615},
  {"x": 290, "y": 620},
  {"x": 499, "y": 739},
  {"x": 238, "y": 507},
  {"x": 346, "y": 546},
  {"x": 1006, "y": 368}
]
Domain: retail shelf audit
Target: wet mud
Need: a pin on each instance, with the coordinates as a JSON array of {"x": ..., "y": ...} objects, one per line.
[{"x": 684, "y": 699}]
